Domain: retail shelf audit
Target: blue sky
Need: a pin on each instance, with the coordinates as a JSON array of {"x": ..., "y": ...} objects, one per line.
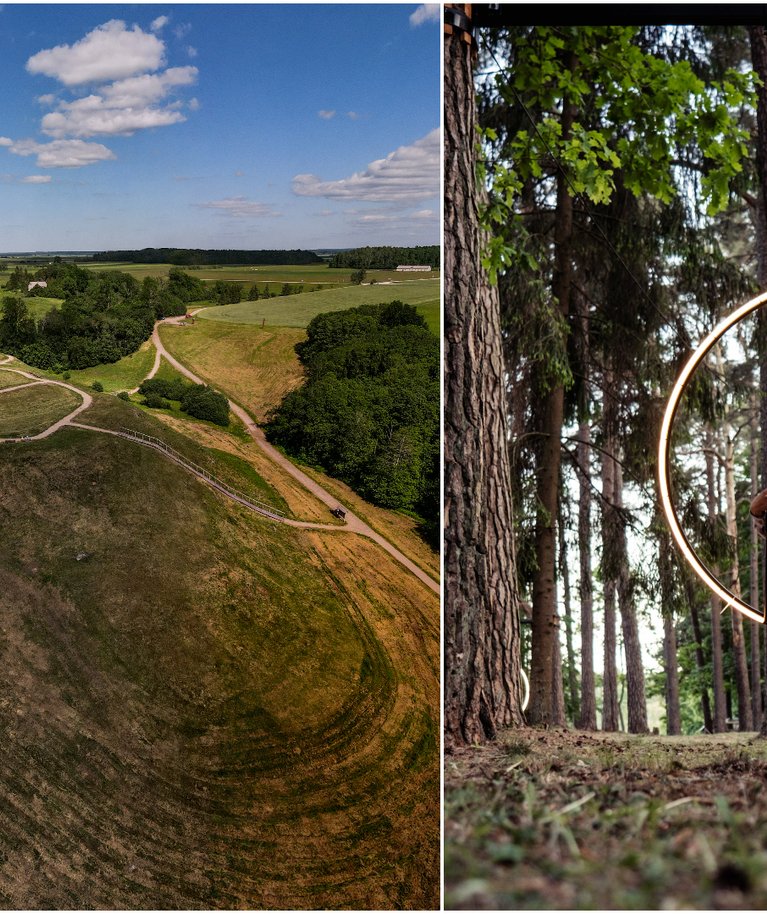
[{"x": 218, "y": 126}]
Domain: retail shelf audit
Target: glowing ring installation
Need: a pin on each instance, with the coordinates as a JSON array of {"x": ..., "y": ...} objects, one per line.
[{"x": 664, "y": 460}]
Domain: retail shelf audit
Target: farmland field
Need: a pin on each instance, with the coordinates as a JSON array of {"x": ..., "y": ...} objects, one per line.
[
  {"x": 34, "y": 408},
  {"x": 298, "y": 310},
  {"x": 309, "y": 274}
]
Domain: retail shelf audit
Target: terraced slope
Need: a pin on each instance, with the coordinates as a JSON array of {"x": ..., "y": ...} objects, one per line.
[{"x": 200, "y": 708}]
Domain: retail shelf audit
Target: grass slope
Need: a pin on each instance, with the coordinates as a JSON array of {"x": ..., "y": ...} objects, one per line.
[
  {"x": 298, "y": 310},
  {"x": 257, "y": 367},
  {"x": 32, "y": 410},
  {"x": 557, "y": 820},
  {"x": 206, "y": 710},
  {"x": 10, "y": 379}
]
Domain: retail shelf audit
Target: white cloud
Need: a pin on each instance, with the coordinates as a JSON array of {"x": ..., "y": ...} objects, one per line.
[
  {"x": 122, "y": 107},
  {"x": 426, "y": 12},
  {"x": 194, "y": 104},
  {"x": 5, "y": 141},
  {"x": 352, "y": 115},
  {"x": 325, "y": 114},
  {"x": 159, "y": 23},
  {"x": 192, "y": 52},
  {"x": 409, "y": 173},
  {"x": 240, "y": 208},
  {"x": 110, "y": 51},
  {"x": 36, "y": 179},
  {"x": 48, "y": 99},
  {"x": 61, "y": 153}
]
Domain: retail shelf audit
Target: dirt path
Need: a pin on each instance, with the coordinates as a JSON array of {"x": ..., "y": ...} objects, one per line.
[
  {"x": 354, "y": 523},
  {"x": 87, "y": 400}
]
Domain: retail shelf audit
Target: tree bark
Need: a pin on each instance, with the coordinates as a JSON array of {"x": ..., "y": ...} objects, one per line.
[
  {"x": 756, "y": 660},
  {"x": 572, "y": 673},
  {"x": 717, "y": 668},
  {"x": 545, "y": 619},
  {"x": 637, "y": 704},
  {"x": 758, "y": 39},
  {"x": 673, "y": 715},
  {"x": 745, "y": 711},
  {"x": 588, "y": 714},
  {"x": 482, "y": 690},
  {"x": 610, "y": 712}
]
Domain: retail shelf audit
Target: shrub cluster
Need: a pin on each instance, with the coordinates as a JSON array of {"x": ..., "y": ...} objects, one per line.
[{"x": 197, "y": 400}]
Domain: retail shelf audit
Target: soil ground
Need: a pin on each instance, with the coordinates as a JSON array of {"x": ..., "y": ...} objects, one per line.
[{"x": 569, "y": 820}]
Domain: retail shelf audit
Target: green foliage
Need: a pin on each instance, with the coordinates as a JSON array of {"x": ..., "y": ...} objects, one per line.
[
  {"x": 357, "y": 277},
  {"x": 124, "y": 395},
  {"x": 98, "y": 387},
  {"x": 225, "y": 293},
  {"x": 186, "y": 288},
  {"x": 155, "y": 401},
  {"x": 203, "y": 402},
  {"x": 387, "y": 258},
  {"x": 171, "y": 389},
  {"x": 636, "y": 116},
  {"x": 369, "y": 412},
  {"x": 197, "y": 257}
]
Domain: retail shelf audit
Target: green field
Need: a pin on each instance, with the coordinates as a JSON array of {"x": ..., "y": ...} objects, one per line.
[
  {"x": 202, "y": 708},
  {"x": 309, "y": 274},
  {"x": 298, "y": 310},
  {"x": 33, "y": 409},
  {"x": 10, "y": 379}
]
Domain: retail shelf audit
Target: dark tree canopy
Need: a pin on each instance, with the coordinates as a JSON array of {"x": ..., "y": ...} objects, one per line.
[{"x": 387, "y": 258}]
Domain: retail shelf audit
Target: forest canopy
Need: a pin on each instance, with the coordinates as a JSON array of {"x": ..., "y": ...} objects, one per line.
[
  {"x": 185, "y": 257},
  {"x": 387, "y": 258},
  {"x": 369, "y": 411}
]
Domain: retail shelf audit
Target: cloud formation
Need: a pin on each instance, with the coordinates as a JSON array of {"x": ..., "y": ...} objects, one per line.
[
  {"x": 122, "y": 107},
  {"x": 36, "y": 179},
  {"x": 159, "y": 23},
  {"x": 110, "y": 51},
  {"x": 325, "y": 114},
  {"x": 409, "y": 173},
  {"x": 240, "y": 208},
  {"x": 60, "y": 153},
  {"x": 426, "y": 12}
]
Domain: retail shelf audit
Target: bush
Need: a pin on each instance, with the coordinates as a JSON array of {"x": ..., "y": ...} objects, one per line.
[
  {"x": 124, "y": 395},
  {"x": 155, "y": 401},
  {"x": 171, "y": 390},
  {"x": 203, "y": 402},
  {"x": 98, "y": 387}
]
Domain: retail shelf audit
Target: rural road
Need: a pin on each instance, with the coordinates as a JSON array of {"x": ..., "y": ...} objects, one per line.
[
  {"x": 87, "y": 400},
  {"x": 354, "y": 523}
]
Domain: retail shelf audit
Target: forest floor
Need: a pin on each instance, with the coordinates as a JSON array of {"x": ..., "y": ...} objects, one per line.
[{"x": 570, "y": 820}]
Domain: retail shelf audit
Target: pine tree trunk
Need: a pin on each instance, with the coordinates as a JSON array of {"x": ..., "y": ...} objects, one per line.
[
  {"x": 610, "y": 712},
  {"x": 545, "y": 619},
  {"x": 700, "y": 660},
  {"x": 756, "y": 660},
  {"x": 588, "y": 715},
  {"x": 717, "y": 668},
  {"x": 745, "y": 712},
  {"x": 637, "y": 704},
  {"x": 572, "y": 673},
  {"x": 758, "y": 38},
  {"x": 482, "y": 689},
  {"x": 673, "y": 715}
]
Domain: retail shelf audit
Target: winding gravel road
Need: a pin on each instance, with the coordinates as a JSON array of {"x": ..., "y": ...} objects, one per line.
[{"x": 353, "y": 523}]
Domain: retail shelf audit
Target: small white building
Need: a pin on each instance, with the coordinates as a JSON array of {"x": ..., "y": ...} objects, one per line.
[
  {"x": 39, "y": 282},
  {"x": 403, "y": 268}
]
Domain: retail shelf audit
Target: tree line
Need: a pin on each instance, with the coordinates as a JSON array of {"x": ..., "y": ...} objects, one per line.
[
  {"x": 369, "y": 411},
  {"x": 199, "y": 257},
  {"x": 621, "y": 202},
  {"x": 387, "y": 258}
]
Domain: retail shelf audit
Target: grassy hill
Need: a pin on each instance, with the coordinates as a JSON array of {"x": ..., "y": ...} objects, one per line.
[
  {"x": 201, "y": 708},
  {"x": 298, "y": 310}
]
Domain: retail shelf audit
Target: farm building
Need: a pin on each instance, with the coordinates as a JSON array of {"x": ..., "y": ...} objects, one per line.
[
  {"x": 413, "y": 269},
  {"x": 40, "y": 283}
]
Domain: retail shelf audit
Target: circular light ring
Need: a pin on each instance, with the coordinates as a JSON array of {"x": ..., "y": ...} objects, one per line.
[{"x": 664, "y": 461}]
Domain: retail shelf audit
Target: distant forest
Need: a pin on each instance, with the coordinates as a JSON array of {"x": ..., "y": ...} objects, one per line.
[
  {"x": 184, "y": 257},
  {"x": 385, "y": 258},
  {"x": 369, "y": 411}
]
